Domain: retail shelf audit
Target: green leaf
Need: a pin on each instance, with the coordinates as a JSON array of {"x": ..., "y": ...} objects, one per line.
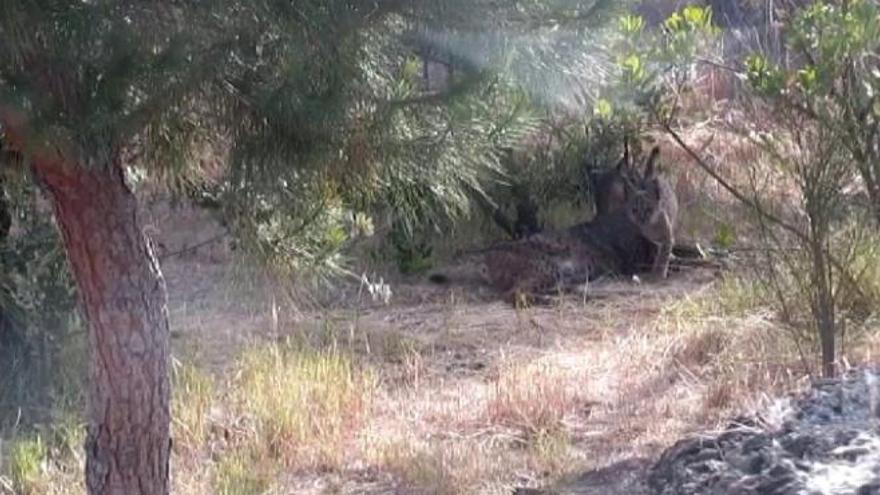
[
  {"x": 697, "y": 17},
  {"x": 633, "y": 68},
  {"x": 725, "y": 237},
  {"x": 631, "y": 24},
  {"x": 674, "y": 22},
  {"x": 763, "y": 76},
  {"x": 807, "y": 78},
  {"x": 603, "y": 109}
]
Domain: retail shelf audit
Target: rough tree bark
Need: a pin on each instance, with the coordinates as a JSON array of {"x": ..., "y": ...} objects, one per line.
[{"x": 123, "y": 296}]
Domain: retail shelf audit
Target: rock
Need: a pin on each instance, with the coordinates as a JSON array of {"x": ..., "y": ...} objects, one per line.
[
  {"x": 827, "y": 444},
  {"x": 869, "y": 489},
  {"x": 801, "y": 446},
  {"x": 755, "y": 464},
  {"x": 747, "y": 484},
  {"x": 851, "y": 453},
  {"x": 779, "y": 481}
]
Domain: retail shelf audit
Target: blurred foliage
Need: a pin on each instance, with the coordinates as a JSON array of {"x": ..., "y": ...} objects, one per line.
[
  {"x": 643, "y": 74},
  {"x": 321, "y": 108},
  {"x": 814, "y": 127},
  {"x": 412, "y": 250},
  {"x": 825, "y": 144},
  {"x": 42, "y": 348},
  {"x": 655, "y": 68},
  {"x": 835, "y": 83}
]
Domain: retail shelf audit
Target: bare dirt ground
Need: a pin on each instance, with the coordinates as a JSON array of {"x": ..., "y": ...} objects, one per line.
[{"x": 464, "y": 378}]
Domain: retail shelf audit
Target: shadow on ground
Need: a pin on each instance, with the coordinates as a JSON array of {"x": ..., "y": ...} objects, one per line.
[{"x": 626, "y": 477}]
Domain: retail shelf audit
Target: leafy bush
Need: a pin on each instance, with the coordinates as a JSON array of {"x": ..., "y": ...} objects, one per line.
[
  {"x": 648, "y": 73},
  {"x": 412, "y": 252},
  {"x": 814, "y": 128}
]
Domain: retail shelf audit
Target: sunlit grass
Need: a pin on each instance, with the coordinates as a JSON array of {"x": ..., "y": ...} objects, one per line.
[
  {"x": 534, "y": 399},
  {"x": 244, "y": 471},
  {"x": 303, "y": 406},
  {"x": 733, "y": 296},
  {"x": 49, "y": 461},
  {"x": 450, "y": 467},
  {"x": 27, "y": 464},
  {"x": 194, "y": 395}
]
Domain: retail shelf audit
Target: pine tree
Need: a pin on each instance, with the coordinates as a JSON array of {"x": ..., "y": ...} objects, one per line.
[{"x": 303, "y": 97}]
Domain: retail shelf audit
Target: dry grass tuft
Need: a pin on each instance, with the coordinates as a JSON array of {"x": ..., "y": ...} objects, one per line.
[
  {"x": 244, "y": 471},
  {"x": 550, "y": 454},
  {"x": 535, "y": 399},
  {"x": 443, "y": 467},
  {"x": 302, "y": 406},
  {"x": 50, "y": 461},
  {"x": 194, "y": 393},
  {"x": 702, "y": 349},
  {"x": 725, "y": 345}
]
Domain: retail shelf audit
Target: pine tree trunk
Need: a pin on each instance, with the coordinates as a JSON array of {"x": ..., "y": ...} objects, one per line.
[{"x": 123, "y": 297}]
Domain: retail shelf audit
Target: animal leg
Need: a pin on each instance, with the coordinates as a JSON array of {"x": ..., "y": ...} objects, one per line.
[{"x": 665, "y": 244}]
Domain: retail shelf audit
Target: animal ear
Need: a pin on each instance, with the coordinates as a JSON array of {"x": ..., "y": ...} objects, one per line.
[{"x": 650, "y": 169}]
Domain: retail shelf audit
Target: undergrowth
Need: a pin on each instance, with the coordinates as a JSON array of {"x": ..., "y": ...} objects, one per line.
[{"x": 290, "y": 409}]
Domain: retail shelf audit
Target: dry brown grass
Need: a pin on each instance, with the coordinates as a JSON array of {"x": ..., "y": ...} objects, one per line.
[
  {"x": 301, "y": 407},
  {"x": 466, "y": 397},
  {"x": 191, "y": 406},
  {"x": 536, "y": 399},
  {"x": 48, "y": 461},
  {"x": 445, "y": 393},
  {"x": 443, "y": 466}
]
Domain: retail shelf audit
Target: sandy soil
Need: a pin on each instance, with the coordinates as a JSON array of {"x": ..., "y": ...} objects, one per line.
[{"x": 440, "y": 350}]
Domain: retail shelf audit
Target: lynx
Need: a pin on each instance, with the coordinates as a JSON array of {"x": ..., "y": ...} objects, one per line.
[
  {"x": 634, "y": 229},
  {"x": 623, "y": 239},
  {"x": 617, "y": 243},
  {"x": 609, "y": 187},
  {"x": 531, "y": 268},
  {"x": 653, "y": 207}
]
